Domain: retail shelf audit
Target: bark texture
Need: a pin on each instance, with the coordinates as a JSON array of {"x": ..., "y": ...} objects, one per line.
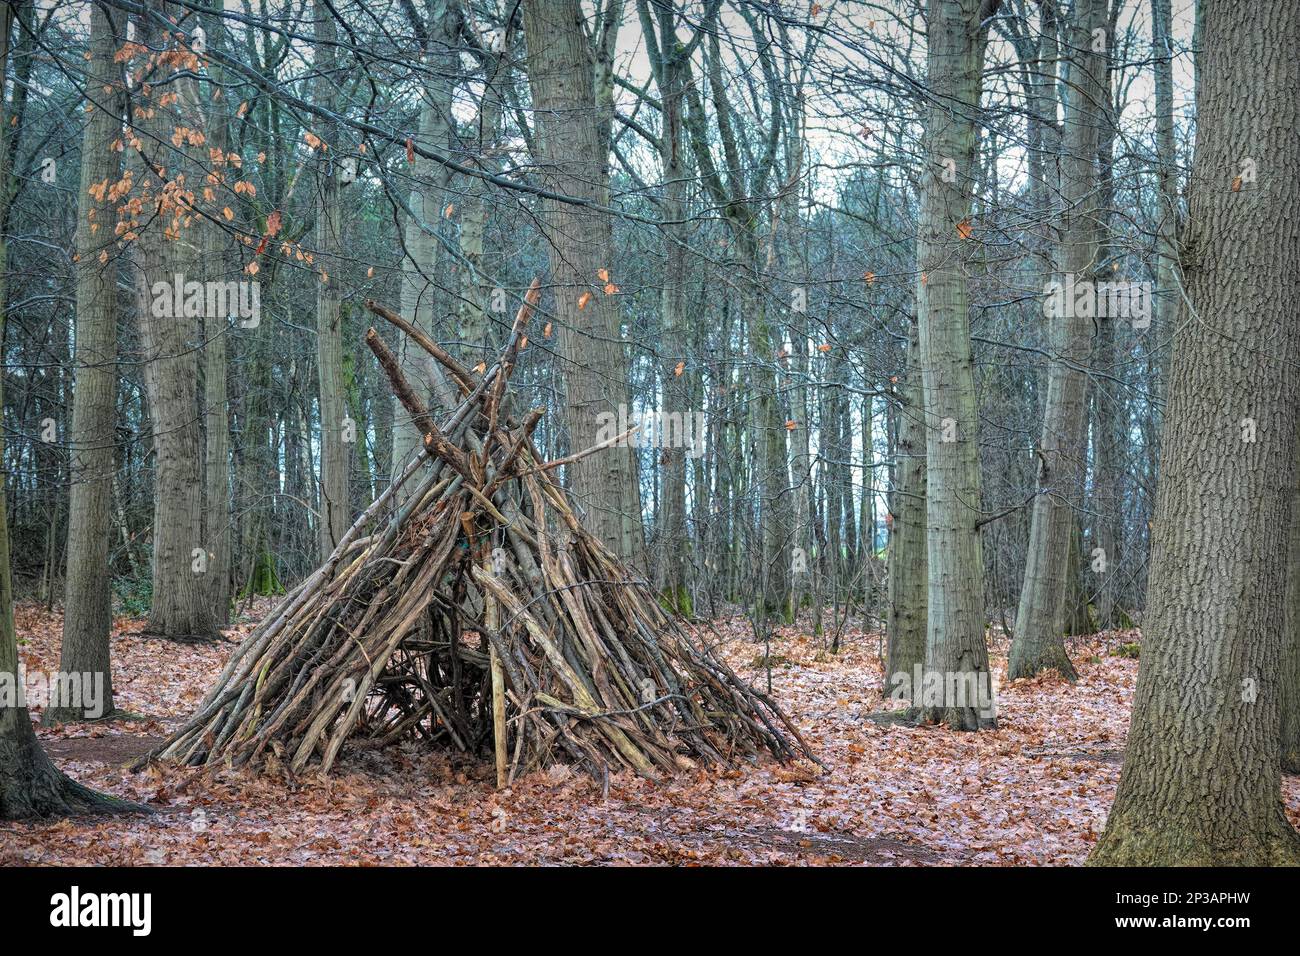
[
  {"x": 30, "y": 786},
  {"x": 88, "y": 605},
  {"x": 955, "y": 635},
  {"x": 165, "y": 249},
  {"x": 1290, "y": 683},
  {"x": 670, "y": 69},
  {"x": 1110, "y": 407},
  {"x": 476, "y": 333},
  {"x": 1201, "y": 782},
  {"x": 1041, "y": 617},
  {"x": 217, "y": 522},
  {"x": 422, "y": 294},
  {"x": 568, "y": 135},
  {"x": 907, "y": 528},
  {"x": 335, "y": 510},
  {"x": 1168, "y": 291}
]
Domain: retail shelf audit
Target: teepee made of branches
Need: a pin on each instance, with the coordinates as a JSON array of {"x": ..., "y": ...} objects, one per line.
[{"x": 469, "y": 608}]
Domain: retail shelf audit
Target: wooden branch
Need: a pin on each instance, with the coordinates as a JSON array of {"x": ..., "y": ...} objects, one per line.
[
  {"x": 462, "y": 375},
  {"x": 570, "y": 459},
  {"x": 582, "y": 663},
  {"x": 434, "y": 440}
]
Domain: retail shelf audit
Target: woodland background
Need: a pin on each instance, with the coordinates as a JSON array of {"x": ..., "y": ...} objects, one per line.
[{"x": 828, "y": 229}]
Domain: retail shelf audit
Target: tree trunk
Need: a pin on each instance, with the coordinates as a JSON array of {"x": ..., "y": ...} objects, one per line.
[
  {"x": 867, "y": 503},
  {"x": 420, "y": 294},
  {"x": 1290, "y": 683},
  {"x": 29, "y": 784},
  {"x": 217, "y": 521},
  {"x": 1168, "y": 291},
  {"x": 670, "y": 69},
  {"x": 1077, "y": 619},
  {"x": 1045, "y": 136},
  {"x": 907, "y": 548},
  {"x": 479, "y": 341},
  {"x": 829, "y": 451},
  {"x": 580, "y": 241},
  {"x": 774, "y": 504},
  {"x": 1041, "y": 617},
  {"x": 955, "y": 635},
  {"x": 335, "y": 509},
  {"x": 800, "y": 466},
  {"x": 1108, "y": 432},
  {"x": 88, "y": 601},
  {"x": 256, "y": 462},
  {"x": 180, "y": 609},
  {"x": 1201, "y": 782},
  {"x": 1108, "y": 495}
]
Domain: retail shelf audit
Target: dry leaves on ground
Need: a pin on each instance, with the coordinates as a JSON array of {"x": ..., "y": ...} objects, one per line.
[{"x": 1034, "y": 791}]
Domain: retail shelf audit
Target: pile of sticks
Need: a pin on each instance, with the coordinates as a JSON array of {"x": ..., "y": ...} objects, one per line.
[{"x": 468, "y": 607}]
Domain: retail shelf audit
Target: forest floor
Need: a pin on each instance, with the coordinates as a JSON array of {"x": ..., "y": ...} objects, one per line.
[{"x": 1034, "y": 791}]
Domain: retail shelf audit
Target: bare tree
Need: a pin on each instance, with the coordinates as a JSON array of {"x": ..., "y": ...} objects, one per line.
[
  {"x": 908, "y": 581},
  {"x": 955, "y": 642},
  {"x": 163, "y": 111},
  {"x": 1040, "y": 620},
  {"x": 583, "y": 270},
  {"x": 29, "y": 783},
  {"x": 335, "y": 511}
]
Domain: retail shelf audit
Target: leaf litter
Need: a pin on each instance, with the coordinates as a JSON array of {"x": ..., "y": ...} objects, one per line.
[{"x": 1035, "y": 791}]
